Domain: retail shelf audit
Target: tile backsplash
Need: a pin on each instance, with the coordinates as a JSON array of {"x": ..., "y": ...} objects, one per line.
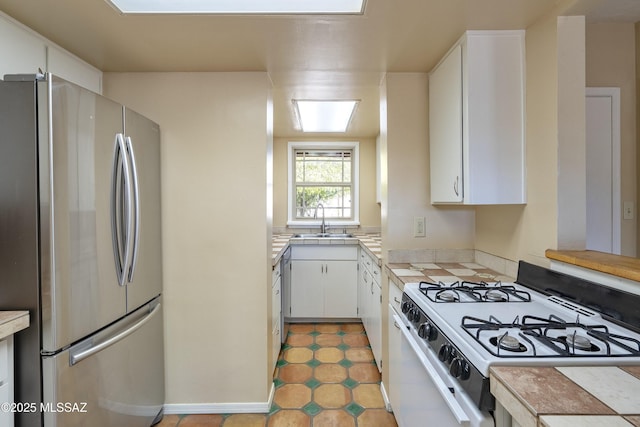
[{"x": 499, "y": 264}]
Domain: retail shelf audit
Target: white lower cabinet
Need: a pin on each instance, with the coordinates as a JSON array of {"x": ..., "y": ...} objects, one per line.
[
  {"x": 375, "y": 325},
  {"x": 324, "y": 281},
  {"x": 6, "y": 379},
  {"x": 395, "y": 362},
  {"x": 340, "y": 291},
  {"x": 276, "y": 308},
  {"x": 370, "y": 304},
  {"x": 307, "y": 292}
]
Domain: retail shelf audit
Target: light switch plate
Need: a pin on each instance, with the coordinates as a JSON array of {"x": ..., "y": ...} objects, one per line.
[
  {"x": 627, "y": 210},
  {"x": 419, "y": 226}
]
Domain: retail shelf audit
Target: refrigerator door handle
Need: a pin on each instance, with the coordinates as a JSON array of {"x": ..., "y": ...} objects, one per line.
[
  {"x": 135, "y": 207},
  {"x": 119, "y": 215},
  {"x": 81, "y": 354}
]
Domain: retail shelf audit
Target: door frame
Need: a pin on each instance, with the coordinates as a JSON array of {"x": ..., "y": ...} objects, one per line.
[{"x": 614, "y": 94}]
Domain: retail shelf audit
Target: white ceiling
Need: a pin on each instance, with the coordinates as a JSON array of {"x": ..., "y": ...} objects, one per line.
[{"x": 307, "y": 57}]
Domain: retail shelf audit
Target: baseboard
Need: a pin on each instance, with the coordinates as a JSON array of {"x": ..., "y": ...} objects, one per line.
[
  {"x": 385, "y": 397},
  {"x": 271, "y": 394},
  {"x": 217, "y": 408}
]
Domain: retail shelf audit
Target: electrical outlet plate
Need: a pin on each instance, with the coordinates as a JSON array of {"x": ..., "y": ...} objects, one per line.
[
  {"x": 419, "y": 226},
  {"x": 627, "y": 210}
]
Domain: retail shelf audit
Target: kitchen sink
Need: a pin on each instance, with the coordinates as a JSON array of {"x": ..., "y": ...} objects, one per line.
[{"x": 323, "y": 236}]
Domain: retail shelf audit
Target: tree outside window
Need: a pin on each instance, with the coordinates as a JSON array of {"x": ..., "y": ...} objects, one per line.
[{"x": 323, "y": 174}]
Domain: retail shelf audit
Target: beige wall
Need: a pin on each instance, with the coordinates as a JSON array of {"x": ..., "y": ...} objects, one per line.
[
  {"x": 369, "y": 209},
  {"x": 572, "y": 181},
  {"x": 611, "y": 62},
  {"x": 405, "y": 141},
  {"x": 525, "y": 232},
  {"x": 216, "y": 239},
  {"x": 637, "y": 51},
  {"x": 404, "y": 146}
]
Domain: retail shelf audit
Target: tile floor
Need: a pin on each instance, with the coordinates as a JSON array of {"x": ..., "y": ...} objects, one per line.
[{"x": 325, "y": 377}]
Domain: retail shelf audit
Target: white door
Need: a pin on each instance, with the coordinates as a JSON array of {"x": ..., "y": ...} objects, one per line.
[{"x": 603, "y": 169}]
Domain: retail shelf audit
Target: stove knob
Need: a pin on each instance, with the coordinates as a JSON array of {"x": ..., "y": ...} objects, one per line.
[
  {"x": 414, "y": 315},
  {"x": 460, "y": 369},
  {"x": 452, "y": 354},
  {"x": 427, "y": 331},
  {"x": 445, "y": 352},
  {"x": 406, "y": 306}
]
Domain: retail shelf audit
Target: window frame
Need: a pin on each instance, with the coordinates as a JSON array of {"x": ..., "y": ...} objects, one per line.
[{"x": 292, "y": 146}]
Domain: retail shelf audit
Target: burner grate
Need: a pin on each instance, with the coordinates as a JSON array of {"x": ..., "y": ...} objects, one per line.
[
  {"x": 467, "y": 291},
  {"x": 565, "y": 339}
]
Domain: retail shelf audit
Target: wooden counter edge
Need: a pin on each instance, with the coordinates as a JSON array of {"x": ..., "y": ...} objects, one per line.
[
  {"x": 12, "y": 322},
  {"x": 511, "y": 401},
  {"x": 616, "y": 265}
]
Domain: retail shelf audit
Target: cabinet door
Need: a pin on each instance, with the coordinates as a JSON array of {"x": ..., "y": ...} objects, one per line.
[
  {"x": 276, "y": 305},
  {"x": 364, "y": 295},
  {"x": 445, "y": 129},
  {"x": 307, "y": 294},
  {"x": 63, "y": 64},
  {"x": 375, "y": 323},
  {"x": 394, "y": 359},
  {"x": 341, "y": 289},
  {"x": 21, "y": 51}
]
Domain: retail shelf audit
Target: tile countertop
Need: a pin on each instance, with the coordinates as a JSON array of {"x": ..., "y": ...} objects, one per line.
[
  {"x": 569, "y": 396},
  {"x": 370, "y": 242},
  {"x": 442, "y": 272},
  {"x": 12, "y": 322},
  {"x": 617, "y": 265}
]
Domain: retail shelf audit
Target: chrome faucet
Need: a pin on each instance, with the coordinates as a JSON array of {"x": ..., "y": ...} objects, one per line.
[{"x": 323, "y": 226}]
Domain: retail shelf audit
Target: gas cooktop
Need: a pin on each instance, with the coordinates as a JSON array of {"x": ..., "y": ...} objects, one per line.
[{"x": 512, "y": 323}]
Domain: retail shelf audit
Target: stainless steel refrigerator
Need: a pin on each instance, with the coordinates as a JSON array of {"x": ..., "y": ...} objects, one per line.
[{"x": 80, "y": 248}]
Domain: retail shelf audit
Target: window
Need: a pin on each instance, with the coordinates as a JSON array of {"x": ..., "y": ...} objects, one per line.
[{"x": 323, "y": 174}]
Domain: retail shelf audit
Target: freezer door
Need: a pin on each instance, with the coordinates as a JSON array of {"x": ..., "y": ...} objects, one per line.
[
  {"x": 80, "y": 292},
  {"x": 144, "y": 275},
  {"x": 113, "y": 379}
]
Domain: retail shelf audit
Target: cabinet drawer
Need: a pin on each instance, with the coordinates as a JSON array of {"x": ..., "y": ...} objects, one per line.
[
  {"x": 275, "y": 275},
  {"x": 376, "y": 273},
  {"x": 324, "y": 252},
  {"x": 395, "y": 296},
  {"x": 371, "y": 265},
  {"x": 4, "y": 361}
]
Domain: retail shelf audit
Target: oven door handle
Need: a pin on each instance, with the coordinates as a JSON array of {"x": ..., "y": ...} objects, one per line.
[{"x": 459, "y": 413}]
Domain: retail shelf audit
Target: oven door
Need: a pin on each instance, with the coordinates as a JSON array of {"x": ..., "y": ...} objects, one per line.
[{"x": 424, "y": 394}]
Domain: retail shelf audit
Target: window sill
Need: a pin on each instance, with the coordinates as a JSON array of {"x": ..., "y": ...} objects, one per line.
[{"x": 316, "y": 224}]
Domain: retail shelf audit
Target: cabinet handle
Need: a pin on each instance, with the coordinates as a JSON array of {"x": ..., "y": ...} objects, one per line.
[
  {"x": 396, "y": 300},
  {"x": 326, "y": 268},
  {"x": 455, "y": 186},
  {"x": 396, "y": 324}
]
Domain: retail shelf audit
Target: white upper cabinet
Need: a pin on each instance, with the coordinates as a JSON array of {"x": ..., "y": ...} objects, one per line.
[
  {"x": 476, "y": 121},
  {"x": 21, "y": 51},
  {"x": 63, "y": 64}
]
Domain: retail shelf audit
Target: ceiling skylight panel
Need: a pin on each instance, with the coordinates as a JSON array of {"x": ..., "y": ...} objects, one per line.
[
  {"x": 240, "y": 7},
  {"x": 324, "y": 116}
]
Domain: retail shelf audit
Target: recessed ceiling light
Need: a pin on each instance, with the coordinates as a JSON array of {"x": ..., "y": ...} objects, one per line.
[
  {"x": 324, "y": 116},
  {"x": 242, "y": 7}
]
